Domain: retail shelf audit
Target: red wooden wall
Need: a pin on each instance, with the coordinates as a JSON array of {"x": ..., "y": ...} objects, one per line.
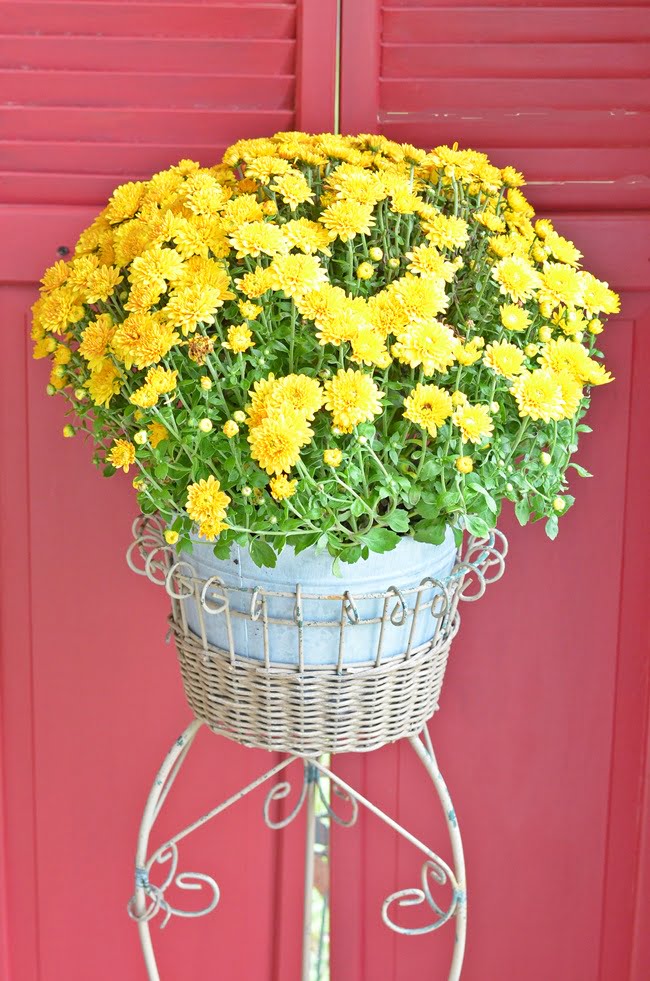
[{"x": 544, "y": 723}]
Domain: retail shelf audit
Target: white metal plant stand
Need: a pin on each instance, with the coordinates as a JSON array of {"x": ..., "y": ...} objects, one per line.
[
  {"x": 149, "y": 900},
  {"x": 304, "y": 712}
]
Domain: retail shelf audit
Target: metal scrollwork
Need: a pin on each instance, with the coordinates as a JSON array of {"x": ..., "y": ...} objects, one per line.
[
  {"x": 156, "y": 893},
  {"x": 431, "y": 869}
]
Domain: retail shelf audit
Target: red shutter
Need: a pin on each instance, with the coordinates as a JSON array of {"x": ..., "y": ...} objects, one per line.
[
  {"x": 96, "y": 93},
  {"x": 559, "y": 89}
]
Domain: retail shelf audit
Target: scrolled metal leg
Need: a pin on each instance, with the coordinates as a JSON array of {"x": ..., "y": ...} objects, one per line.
[
  {"x": 147, "y": 899},
  {"x": 424, "y": 751}
]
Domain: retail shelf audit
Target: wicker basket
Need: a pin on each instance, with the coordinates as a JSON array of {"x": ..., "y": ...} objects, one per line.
[{"x": 309, "y": 709}]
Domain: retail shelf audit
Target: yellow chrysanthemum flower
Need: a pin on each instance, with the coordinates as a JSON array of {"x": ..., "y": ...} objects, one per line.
[
  {"x": 565, "y": 355},
  {"x": 420, "y": 298},
  {"x": 561, "y": 248},
  {"x": 474, "y": 422},
  {"x": 446, "y": 231},
  {"x": 277, "y": 440},
  {"x": 561, "y": 284},
  {"x": 293, "y": 188},
  {"x": 296, "y": 274},
  {"x": 345, "y": 219},
  {"x": 240, "y": 339},
  {"x": 192, "y": 305},
  {"x": 470, "y": 352},
  {"x": 308, "y": 236},
  {"x": 516, "y": 277},
  {"x": 122, "y": 454},
  {"x": 162, "y": 380},
  {"x": 255, "y": 238},
  {"x": 504, "y": 358},
  {"x": 207, "y": 504},
  {"x": 299, "y": 392},
  {"x": 597, "y": 374},
  {"x": 514, "y": 318},
  {"x": 428, "y": 406},
  {"x": 427, "y": 260},
  {"x": 369, "y": 348},
  {"x": 95, "y": 340},
  {"x": 260, "y": 396},
  {"x": 55, "y": 276},
  {"x": 145, "y": 397},
  {"x": 143, "y": 339},
  {"x": 254, "y": 284},
  {"x": 571, "y": 394},
  {"x": 248, "y": 310},
  {"x": 597, "y": 296},
  {"x": 352, "y": 397},
  {"x": 539, "y": 395},
  {"x": 125, "y": 201},
  {"x": 104, "y": 383},
  {"x": 281, "y": 487},
  {"x": 431, "y": 345},
  {"x": 101, "y": 284},
  {"x": 157, "y": 433}
]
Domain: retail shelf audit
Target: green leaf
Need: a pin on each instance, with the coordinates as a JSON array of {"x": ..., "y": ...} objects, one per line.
[
  {"x": 522, "y": 512},
  {"x": 262, "y": 554},
  {"x": 380, "y": 539},
  {"x": 552, "y": 527},
  {"x": 430, "y": 470},
  {"x": 582, "y": 428},
  {"x": 221, "y": 550},
  {"x": 161, "y": 470},
  {"x": 432, "y": 532},
  {"x": 580, "y": 470},
  {"x": 301, "y": 542},
  {"x": 476, "y": 526},
  {"x": 398, "y": 520}
]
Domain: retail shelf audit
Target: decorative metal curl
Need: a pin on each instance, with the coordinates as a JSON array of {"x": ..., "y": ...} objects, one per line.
[
  {"x": 156, "y": 893},
  {"x": 416, "y": 897},
  {"x": 218, "y": 587},
  {"x": 174, "y": 573},
  {"x": 344, "y": 796},
  {"x": 279, "y": 792},
  {"x": 350, "y": 608},
  {"x": 440, "y": 603},
  {"x": 399, "y": 612}
]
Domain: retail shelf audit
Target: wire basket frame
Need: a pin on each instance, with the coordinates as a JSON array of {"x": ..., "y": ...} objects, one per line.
[{"x": 310, "y": 709}]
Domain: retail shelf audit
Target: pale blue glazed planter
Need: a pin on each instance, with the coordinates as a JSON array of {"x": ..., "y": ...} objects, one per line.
[{"x": 321, "y": 602}]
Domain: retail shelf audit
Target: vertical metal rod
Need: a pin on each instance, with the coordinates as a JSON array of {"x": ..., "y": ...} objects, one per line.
[{"x": 311, "y": 776}]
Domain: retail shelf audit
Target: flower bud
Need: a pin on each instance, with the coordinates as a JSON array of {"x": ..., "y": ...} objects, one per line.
[
  {"x": 545, "y": 458},
  {"x": 205, "y": 425},
  {"x": 546, "y": 308},
  {"x": 230, "y": 428},
  {"x": 531, "y": 350},
  {"x": 171, "y": 536},
  {"x": 545, "y": 334},
  {"x": 464, "y": 464},
  {"x": 579, "y": 335},
  {"x": 595, "y": 327},
  {"x": 50, "y": 389},
  {"x": 559, "y": 504},
  {"x": 494, "y": 408},
  {"x": 393, "y": 262},
  {"x": 68, "y": 431},
  {"x": 246, "y": 491},
  {"x": 80, "y": 394},
  {"x": 239, "y": 416},
  {"x": 206, "y": 383},
  {"x": 365, "y": 271},
  {"x": 376, "y": 254},
  {"x": 141, "y": 437},
  {"x": 138, "y": 483},
  {"x": 363, "y": 440}
]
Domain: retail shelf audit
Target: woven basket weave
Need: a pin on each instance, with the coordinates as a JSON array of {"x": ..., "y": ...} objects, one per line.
[{"x": 308, "y": 709}]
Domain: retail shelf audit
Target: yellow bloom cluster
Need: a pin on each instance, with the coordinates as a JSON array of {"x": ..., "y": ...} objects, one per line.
[{"x": 246, "y": 318}]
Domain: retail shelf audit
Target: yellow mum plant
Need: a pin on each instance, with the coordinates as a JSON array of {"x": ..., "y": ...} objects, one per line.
[{"x": 328, "y": 340}]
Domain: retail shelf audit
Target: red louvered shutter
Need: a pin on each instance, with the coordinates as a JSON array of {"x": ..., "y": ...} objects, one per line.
[
  {"x": 94, "y": 94},
  {"x": 560, "y": 88},
  {"x": 542, "y": 733}
]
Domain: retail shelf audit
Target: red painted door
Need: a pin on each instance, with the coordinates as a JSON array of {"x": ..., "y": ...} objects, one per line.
[
  {"x": 95, "y": 94},
  {"x": 543, "y": 727}
]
